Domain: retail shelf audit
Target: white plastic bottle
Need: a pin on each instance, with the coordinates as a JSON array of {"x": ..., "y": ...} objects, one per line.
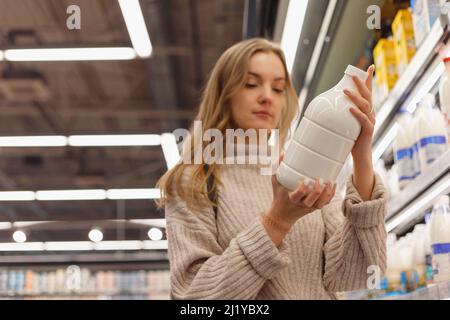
[
  {"x": 405, "y": 153},
  {"x": 419, "y": 254},
  {"x": 431, "y": 133},
  {"x": 440, "y": 239},
  {"x": 444, "y": 94},
  {"x": 324, "y": 137}
]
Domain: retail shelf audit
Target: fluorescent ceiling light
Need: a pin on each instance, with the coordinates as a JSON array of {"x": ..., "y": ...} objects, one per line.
[
  {"x": 68, "y": 246},
  {"x": 292, "y": 30},
  {"x": 70, "y": 54},
  {"x": 134, "y": 20},
  {"x": 26, "y": 246},
  {"x": 405, "y": 215},
  {"x": 115, "y": 140},
  {"x": 33, "y": 141},
  {"x": 84, "y": 245},
  {"x": 87, "y": 194},
  {"x": 17, "y": 196},
  {"x": 5, "y": 225},
  {"x": 119, "y": 245},
  {"x": 84, "y": 194},
  {"x": 160, "y": 223},
  {"x": 170, "y": 149},
  {"x": 148, "y": 193}
]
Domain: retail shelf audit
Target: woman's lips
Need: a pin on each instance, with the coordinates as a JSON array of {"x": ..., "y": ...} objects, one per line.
[{"x": 263, "y": 114}]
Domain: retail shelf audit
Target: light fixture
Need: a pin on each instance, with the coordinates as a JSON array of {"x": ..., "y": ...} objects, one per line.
[
  {"x": 19, "y": 236},
  {"x": 83, "y": 194},
  {"x": 122, "y": 194},
  {"x": 170, "y": 149},
  {"x": 155, "y": 234},
  {"x": 17, "y": 196},
  {"x": 115, "y": 140},
  {"x": 95, "y": 235},
  {"x": 388, "y": 138},
  {"x": 419, "y": 205},
  {"x": 33, "y": 141},
  {"x": 160, "y": 223},
  {"x": 55, "y": 195},
  {"x": 70, "y": 54},
  {"x": 134, "y": 20},
  {"x": 292, "y": 30},
  {"x": 84, "y": 245},
  {"x": 426, "y": 87}
]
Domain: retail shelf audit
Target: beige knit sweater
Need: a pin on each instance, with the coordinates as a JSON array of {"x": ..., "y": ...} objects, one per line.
[{"x": 327, "y": 251}]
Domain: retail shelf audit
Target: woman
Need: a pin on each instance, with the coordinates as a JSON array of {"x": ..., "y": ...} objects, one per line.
[{"x": 258, "y": 240}]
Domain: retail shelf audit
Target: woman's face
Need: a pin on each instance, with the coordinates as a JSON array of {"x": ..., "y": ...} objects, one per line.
[{"x": 258, "y": 104}]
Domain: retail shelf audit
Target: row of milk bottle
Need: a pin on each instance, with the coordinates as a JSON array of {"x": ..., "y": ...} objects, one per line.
[
  {"x": 422, "y": 256},
  {"x": 420, "y": 140}
]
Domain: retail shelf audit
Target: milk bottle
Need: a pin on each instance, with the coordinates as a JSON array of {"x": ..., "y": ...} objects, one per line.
[
  {"x": 440, "y": 239},
  {"x": 324, "y": 137}
]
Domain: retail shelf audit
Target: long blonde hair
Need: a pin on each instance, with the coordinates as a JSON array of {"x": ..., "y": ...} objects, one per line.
[{"x": 227, "y": 77}]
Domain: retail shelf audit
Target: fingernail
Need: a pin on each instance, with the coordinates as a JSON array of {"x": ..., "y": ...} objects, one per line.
[{"x": 321, "y": 182}]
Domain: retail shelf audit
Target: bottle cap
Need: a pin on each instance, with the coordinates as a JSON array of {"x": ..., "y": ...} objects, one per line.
[
  {"x": 446, "y": 59},
  {"x": 354, "y": 71}
]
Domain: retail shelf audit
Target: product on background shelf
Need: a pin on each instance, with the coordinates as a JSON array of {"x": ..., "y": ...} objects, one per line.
[
  {"x": 403, "y": 34},
  {"x": 385, "y": 65},
  {"x": 393, "y": 183},
  {"x": 440, "y": 239},
  {"x": 405, "y": 150},
  {"x": 324, "y": 137},
  {"x": 392, "y": 283},
  {"x": 444, "y": 94},
  {"x": 419, "y": 254},
  {"x": 425, "y": 13},
  {"x": 431, "y": 132}
]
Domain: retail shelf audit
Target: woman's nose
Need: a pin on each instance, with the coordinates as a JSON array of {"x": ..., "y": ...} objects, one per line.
[{"x": 266, "y": 94}]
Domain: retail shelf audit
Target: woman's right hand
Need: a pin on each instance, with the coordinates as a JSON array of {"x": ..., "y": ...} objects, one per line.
[{"x": 289, "y": 206}]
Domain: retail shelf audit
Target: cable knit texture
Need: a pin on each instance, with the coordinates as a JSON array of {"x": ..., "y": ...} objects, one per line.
[{"x": 326, "y": 251}]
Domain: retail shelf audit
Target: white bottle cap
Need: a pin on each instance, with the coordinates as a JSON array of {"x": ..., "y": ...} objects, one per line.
[
  {"x": 428, "y": 100},
  {"x": 353, "y": 71}
]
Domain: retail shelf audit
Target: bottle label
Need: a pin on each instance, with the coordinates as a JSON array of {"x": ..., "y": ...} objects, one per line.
[
  {"x": 441, "y": 262},
  {"x": 432, "y": 147},
  {"x": 404, "y": 159}
]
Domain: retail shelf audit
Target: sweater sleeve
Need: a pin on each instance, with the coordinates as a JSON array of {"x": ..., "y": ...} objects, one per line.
[
  {"x": 202, "y": 269},
  {"x": 355, "y": 238}
]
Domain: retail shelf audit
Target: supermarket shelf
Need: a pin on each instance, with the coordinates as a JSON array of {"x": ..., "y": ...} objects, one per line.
[
  {"x": 431, "y": 292},
  {"x": 407, "y": 83},
  {"x": 419, "y": 185}
]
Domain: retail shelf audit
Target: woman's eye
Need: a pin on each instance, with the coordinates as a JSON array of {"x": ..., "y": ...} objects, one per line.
[
  {"x": 250, "y": 85},
  {"x": 278, "y": 90}
]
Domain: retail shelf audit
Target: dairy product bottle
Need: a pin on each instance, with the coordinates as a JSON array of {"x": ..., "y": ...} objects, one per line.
[
  {"x": 324, "y": 137},
  {"x": 440, "y": 239},
  {"x": 405, "y": 151},
  {"x": 444, "y": 94},
  {"x": 431, "y": 134},
  {"x": 419, "y": 254}
]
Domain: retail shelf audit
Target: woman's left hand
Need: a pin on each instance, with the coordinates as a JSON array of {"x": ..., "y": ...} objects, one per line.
[{"x": 362, "y": 150}]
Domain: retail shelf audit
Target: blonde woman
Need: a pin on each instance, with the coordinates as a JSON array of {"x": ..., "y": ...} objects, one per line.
[{"x": 254, "y": 239}]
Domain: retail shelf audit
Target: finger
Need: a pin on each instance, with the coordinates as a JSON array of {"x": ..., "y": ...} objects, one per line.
[
  {"x": 359, "y": 101},
  {"x": 325, "y": 197},
  {"x": 297, "y": 195},
  {"x": 312, "y": 197},
  {"x": 369, "y": 79},
  {"x": 362, "y": 88},
  {"x": 362, "y": 118}
]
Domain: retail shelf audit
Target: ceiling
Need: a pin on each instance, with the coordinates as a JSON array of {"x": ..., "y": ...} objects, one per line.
[{"x": 152, "y": 95}]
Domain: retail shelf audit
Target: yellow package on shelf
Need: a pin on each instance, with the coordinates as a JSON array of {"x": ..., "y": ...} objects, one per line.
[
  {"x": 385, "y": 64},
  {"x": 403, "y": 34}
]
